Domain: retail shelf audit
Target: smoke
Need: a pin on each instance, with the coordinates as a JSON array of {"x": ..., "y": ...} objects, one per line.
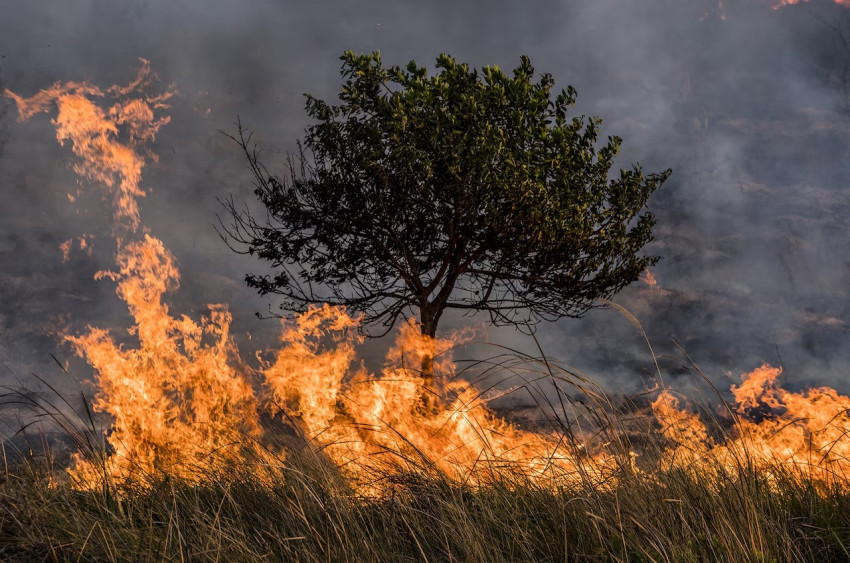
[
  {"x": 752, "y": 226},
  {"x": 747, "y": 104}
]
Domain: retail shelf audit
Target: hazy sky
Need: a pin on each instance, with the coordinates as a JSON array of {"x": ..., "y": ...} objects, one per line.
[{"x": 748, "y": 106}]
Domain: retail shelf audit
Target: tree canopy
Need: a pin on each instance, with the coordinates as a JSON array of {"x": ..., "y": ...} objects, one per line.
[{"x": 463, "y": 189}]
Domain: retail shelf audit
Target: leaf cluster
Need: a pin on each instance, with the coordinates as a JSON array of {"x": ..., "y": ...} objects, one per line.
[{"x": 460, "y": 189}]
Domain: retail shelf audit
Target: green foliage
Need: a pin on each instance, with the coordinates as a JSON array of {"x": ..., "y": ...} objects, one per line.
[{"x": 462, "y": 189}]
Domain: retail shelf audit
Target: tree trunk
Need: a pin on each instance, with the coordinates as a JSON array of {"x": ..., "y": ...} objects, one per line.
[{"x": 429, "y": 394}]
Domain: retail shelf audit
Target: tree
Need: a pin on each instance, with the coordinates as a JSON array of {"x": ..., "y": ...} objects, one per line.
[{"x": 461, "y": 190}]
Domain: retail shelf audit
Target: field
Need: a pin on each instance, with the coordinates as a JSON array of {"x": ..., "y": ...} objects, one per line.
[
  {"x": 185, "y": 447},
  {"x": 304, "y": 510}
]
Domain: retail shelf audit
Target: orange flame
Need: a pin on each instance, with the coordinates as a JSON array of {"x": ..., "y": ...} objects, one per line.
[
  {"x": 181, "y": 400},
  {"x": 804, "y": 434},
  {"x": 782, "y": 3},
  {"x": 368, "y": 424},
  {"x": 65, "y": 247},
  {"x": 176, "y": 401},
  {"x": 105, "y": 140},
  {"x": 177, "y": 404},
  {"x": 649, "y": 279},
  {"x": 686, "y": 432}
]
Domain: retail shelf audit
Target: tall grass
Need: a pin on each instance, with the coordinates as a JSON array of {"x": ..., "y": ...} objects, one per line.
[
  {"x": 309, "y": 515},
  {"x": 303, "y": 509}
]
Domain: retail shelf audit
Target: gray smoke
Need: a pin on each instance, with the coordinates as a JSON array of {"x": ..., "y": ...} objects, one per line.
[{"x": 750, "y": 111}]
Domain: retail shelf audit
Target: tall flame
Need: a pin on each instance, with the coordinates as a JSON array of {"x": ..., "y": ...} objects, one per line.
[
  {"x": 368, "y": 424},
  {"x": 183, "y": 403},
  {"x": 177, "y": 403},
  {"x": 108, "y": 141}
]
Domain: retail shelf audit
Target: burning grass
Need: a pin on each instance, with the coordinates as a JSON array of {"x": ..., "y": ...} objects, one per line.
[
  {"x": 314, "y": 478},
  {"x": 308, "y": 456},
  {"x": 304, "y": 508},
  {"x": 651, "y": 479}
]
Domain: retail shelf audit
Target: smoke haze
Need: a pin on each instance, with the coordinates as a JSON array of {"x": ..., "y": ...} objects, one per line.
[{"x": 747, "y": 104}]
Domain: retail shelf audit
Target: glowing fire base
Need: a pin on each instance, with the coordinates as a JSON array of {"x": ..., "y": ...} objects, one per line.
[{"x": 182, "y": 403}]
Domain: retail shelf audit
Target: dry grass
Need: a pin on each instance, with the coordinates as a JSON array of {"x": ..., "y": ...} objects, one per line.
[{"x": 304, "y": 511}]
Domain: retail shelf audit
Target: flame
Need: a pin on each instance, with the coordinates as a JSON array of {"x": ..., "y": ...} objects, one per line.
[
  {"x": 183, "y": 403},
  {"x": 175, "y": 399},
  {"x": 65, "y": 247},
  {"x": 649, "y": 279},
  {"x": 177, "y": 396},
  {"x": 106, "y": 140},
  {"x": 686, "y": 432},
  {"x": 369, "y": 424},
  {"x": 803, "y": 434},
  {"x": 782, "y": 3}
]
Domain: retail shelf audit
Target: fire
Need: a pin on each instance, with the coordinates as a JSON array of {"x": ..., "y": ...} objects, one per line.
[
  {"x": 803, "y": 434},
  {"x": 183, "y": 403},
  {"x": 649, "y": 279},
  {"x": 179, "y": 396},
  {"x": 177, "y": 401},
  {"x": 369, "y": 424},
  {"x": 107, "y": 141},
  {"x": 782, "y": 3},
  {"x": 65, "y": 247},
  {"x": 684, "y": 430}
]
